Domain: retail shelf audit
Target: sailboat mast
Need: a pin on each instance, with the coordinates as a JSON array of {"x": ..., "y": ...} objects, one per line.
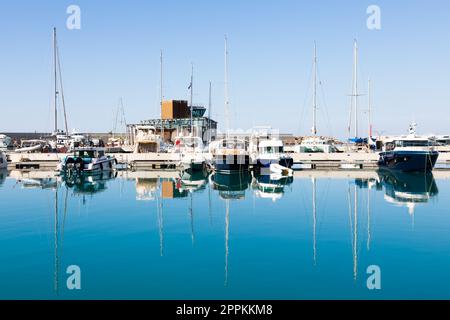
[
  {"x": 355, "y": 88},
  {"x": 209, "y": 112},
  {"x": 227, "y": 102},
  {"x": 192, "y": 96},
  {"x": 161, "y": 93},
  {"x": 314, "y": 127},
  {"x": 369, "y": 102},
  {"x": 55, "y": 79}
]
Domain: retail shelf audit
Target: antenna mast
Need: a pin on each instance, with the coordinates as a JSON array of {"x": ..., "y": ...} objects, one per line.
[
  {"x": 227, "y": 102},
  {"x": 55, "y": 78},
  {"x": 369, "y": 96},
  {"x": 355, "y": 86},
  {"x": 314, "y": 127},
  {"x": 161, "y": 94},
  {"x": 209, "y": 112},
  {"x": 192, "y": 96}
]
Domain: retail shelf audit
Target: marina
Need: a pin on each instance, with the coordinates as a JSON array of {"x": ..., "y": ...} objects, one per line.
[
  {"x": 226, "y": 158},
  {"x": 167, "y": 236}
]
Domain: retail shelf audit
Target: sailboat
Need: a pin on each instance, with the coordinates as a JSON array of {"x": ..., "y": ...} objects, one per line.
[
  {"x": 62, "y": 138},
  {"x": 230, "y": 154},
  {"x": 190, "y": 147},
  {"x": 315, "y": 144}
]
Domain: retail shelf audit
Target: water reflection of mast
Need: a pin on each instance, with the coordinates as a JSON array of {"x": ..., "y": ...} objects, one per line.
[
  {"x": 314, "y": 218},
  {"x": 227, "y": 225},
  {"x": 354, "y": 229},
  {"x": 191, "y": 215},
  {"x": 159, "y": 204},
  {"x": 368, "y": 218},
  {"x": 209, "y": 206},
  {"x": 56, "y": 235}
]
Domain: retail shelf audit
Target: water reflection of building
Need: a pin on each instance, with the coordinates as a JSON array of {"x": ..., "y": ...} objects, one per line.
[{"x": 146, "y": 189}]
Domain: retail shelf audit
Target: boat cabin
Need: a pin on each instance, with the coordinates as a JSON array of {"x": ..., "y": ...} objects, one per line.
[
  {"x": 273, "y": 146},
  {"x": 89, "y": 153}
]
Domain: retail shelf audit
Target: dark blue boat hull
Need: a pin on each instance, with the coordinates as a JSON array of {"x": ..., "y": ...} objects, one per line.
[
  {"x": 231, "y": 164},
  {"x": 408, "y": 161}
]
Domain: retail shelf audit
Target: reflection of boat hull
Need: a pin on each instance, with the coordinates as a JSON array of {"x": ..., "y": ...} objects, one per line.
[
  {"x": 408, "y": 161},
  {"x": 404, "y": 187},
  {"x": 231, "y": 186},
  {"x": 193, "y": 180},
  {"x": 231, "y": 163},
  {"x": 89, "y": 184},
  {"x": 272, "y": 183}
]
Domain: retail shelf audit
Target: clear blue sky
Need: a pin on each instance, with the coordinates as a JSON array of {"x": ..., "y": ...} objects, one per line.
[{"x": 116, "y": 53}]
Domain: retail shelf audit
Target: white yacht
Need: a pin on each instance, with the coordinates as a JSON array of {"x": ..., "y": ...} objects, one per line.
[
  {"x": 30, "y": 146},
  {"x": 266, "y": 149},
  {"x": 145, "y": 139},
  {"x": 5, "y": 142},
  {"x": 190, "y": 149}
]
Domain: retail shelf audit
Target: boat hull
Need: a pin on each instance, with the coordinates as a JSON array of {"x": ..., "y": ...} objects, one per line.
[
  {"x": 408, "y": 161},
  {"x": 286, "y": 162},
  {"x": 231, "y": 163}
]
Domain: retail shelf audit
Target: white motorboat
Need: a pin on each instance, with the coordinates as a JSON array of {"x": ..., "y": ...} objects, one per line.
[
  {"x": 5, "y": 142},
  {"x": 145, "y": 139},
  {"x": 30, "y": 146},
  {"x": 190, "y": 149},
  {"x": 88, "y": 160}
]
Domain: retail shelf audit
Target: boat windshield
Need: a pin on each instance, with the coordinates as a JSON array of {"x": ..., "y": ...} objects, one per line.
[
  {"x": 89, "y": 153},
  {"x": 412, "y": 143},
  {"x": 271, "y": 149},
  {"x": 233, "y": 144}
]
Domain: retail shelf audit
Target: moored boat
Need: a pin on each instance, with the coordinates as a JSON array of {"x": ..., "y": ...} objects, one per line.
[
  {"x": 410, "y": 153},
  {"x": 190, "y": 149},
  {"x": 87, "y": 160},
  {"x": 231, "y": 156}
]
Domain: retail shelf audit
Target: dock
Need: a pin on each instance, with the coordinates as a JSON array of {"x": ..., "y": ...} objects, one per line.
[{"x": 171, "y": 161}]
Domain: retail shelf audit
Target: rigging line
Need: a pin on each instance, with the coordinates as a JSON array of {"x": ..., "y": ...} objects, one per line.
[
  {"x": 325, "y": 109},
  {"x": 306, "y": 101},
  {"x": 61, "y": 87}
]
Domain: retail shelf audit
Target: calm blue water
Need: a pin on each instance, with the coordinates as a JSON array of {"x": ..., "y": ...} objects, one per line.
[{"x": 136, "y": 236}]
